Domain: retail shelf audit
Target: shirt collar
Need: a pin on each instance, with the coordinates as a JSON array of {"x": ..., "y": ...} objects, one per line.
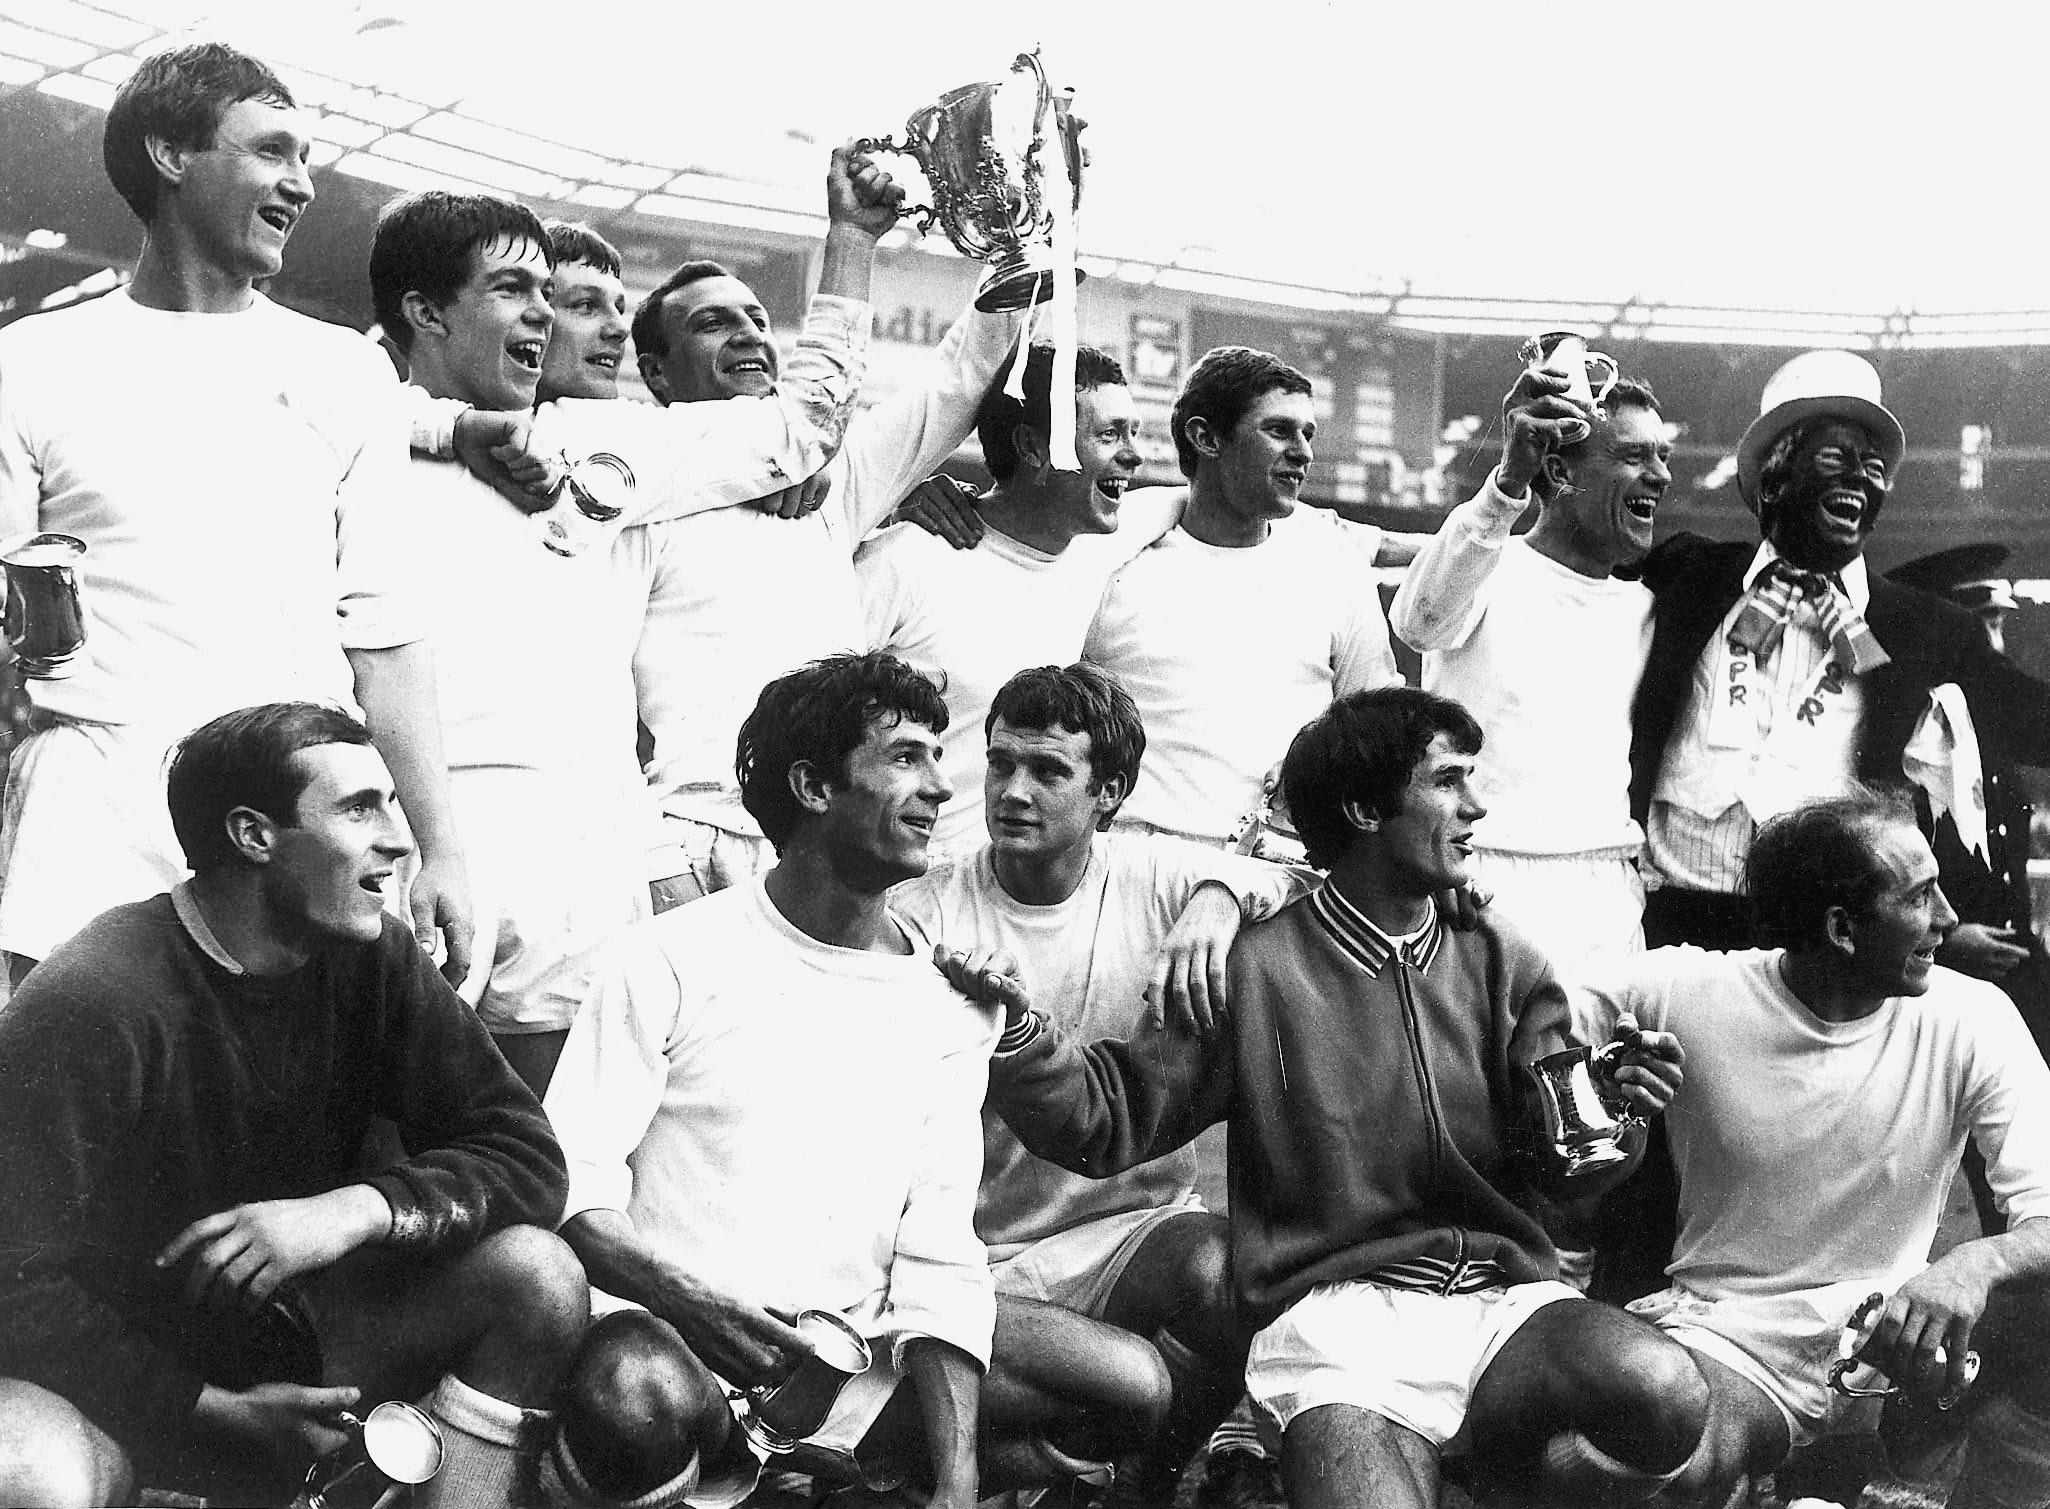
[
  {"x": 1856, "y": 585},
  {"x": 186, "y": 905},
  {"x": 1371, "y": 948}
]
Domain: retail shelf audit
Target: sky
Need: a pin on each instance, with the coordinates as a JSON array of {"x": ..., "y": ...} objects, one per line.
[{"x": 1810, "y": 156}]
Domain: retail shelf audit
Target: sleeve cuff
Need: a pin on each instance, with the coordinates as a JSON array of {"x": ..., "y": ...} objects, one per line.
[{"x": 1019, "y": 1034}]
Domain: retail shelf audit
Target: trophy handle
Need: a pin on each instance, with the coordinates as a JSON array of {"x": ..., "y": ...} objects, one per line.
[
  {"x": 1603, "y": 1066},
  {"x": 925, "y": 214}
]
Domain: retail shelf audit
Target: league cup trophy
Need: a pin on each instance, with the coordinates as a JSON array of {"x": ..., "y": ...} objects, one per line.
[
  {"x": 1857, "y": 1379},
  {"x": 44, "y": 622},
  {"x": 1589, "y": 374},
  {"x": 396, "y": 1441},
  {"x": 778, "y": 1418},
  {"x": 1584, "y": 1127},
  {"x": 993, "y": 186}
]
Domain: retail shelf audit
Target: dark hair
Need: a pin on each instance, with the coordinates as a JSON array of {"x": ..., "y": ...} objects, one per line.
[
  {"x": 574, "y": 241},
  {"x": 1222, "y": 387},
  {"x": 997, "y": 422},
  {"x": 245, "y": 759},
  {"x": 1776, "y": 467},
  {"x": 178, "y": 96},
  {"x": 1816, "y": 857},
  {"x": 649, "y": 337},
  {"x": 423, "y": 244},
  {"x": 1628, "y": 393},
  {"x": 1081, "y": 699},
  {"x": 1364, "y": 748},
  {"x": 819, "y": 715}
]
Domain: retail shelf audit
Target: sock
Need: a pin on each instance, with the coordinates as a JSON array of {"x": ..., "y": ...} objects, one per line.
[
  {"x": 1571, "y": 1460},
  {"x": 488, "y": 1447},
  {"x": 563, "y": 1481}
]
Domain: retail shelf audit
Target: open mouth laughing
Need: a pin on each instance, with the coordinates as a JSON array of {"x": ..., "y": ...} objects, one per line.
[{"x": 526, "y": 352}]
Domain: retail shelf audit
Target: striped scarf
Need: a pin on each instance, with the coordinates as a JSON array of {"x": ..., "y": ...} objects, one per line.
[{"x": 1774, "y": 595}]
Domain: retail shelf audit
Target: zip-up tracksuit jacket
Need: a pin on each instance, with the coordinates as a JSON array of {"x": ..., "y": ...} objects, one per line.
[{"x": 1379, "y": 1103}]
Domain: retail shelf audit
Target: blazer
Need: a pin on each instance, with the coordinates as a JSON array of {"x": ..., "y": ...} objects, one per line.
[{"x": 1695, "y": 582}]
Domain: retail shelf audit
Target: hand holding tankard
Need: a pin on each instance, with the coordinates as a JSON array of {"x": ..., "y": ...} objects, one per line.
[
  {"x": 396, "y": 1441},
  {"x": 779, "y": 1416}
]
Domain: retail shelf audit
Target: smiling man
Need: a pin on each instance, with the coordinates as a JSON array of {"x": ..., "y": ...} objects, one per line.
[
  {"x": 197, "y": 1276},
  {"x": 773, "y": 1105},
  {"x": 1833, "y": 1078},
  {"x": 538, "y": 648},
  {"x": 1247, "y": 618},
  {"x": 231, "y": 520},
  {"x": 1384, "y": 1150},
  {"x": 1781, "y": 673},
  {"x": 1545, "y": 643},
  {"x": 739, "y": 595},
  {"x": 588, "y": 339},
  {"x": 1024, "y": 595}
]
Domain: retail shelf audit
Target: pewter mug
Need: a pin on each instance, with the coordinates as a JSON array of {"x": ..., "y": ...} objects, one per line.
[
  {"x": 1584, "y": 1127},
  {"x": 396, "y": 1440},
  {"x": 779, "y": 1417},
  {"x": 992, "y": 206},
  {"x": 44, "y": 620}
]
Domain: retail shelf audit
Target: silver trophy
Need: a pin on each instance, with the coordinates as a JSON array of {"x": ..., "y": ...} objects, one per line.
[
  {"x": 396, "y": 1441},
  {"x": 594, "y": 493},
  {"x": 44, "y": 621},
  {"x": 1583, "y": 1125},
  {"x": 992, "y": 203},
  {"x": 1589, "y": 374},
  {"x": 778, "y": 1418}
]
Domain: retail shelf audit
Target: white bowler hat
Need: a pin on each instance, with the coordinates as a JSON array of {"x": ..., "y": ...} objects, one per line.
[{"x": 1840, "y": 384}]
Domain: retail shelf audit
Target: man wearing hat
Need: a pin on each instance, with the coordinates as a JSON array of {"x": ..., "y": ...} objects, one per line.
[{"x": 1780, "y": 673}]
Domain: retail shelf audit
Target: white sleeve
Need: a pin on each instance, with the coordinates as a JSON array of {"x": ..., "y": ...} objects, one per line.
[
  {"x": 1147, "y": 514},
  {"x": 21, "y": 473},
  {"x": 939, "y": 1276},
  {"x": 689, "y": 458},
  {"x": 898, "y": 443},
  {"x": 1261, "y": 889},
  {"x": 1361, "y": 656},
  {"x": 381, "y": 595},
  {"x": 609, "y": 1083},
  {"x": 889, "y": 603},
  {"x": 433, "y": 421},
  {"x": 2008, "y": 1103},
  {"x": 1642, "y": 985},
  {"x": 1443, "y": 595}
]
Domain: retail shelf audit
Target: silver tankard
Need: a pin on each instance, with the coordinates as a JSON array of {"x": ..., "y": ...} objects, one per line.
[
  {"x": 44, "y": 621},
  {"x": 1589, "y": 374},
  {"x": 1584, "y": 1127},
  {"x": 396, "y": 1440},
  {"x": 779, "y": 1417},
  {"x": 992, "y": 201},
  {"x": 594, "y": 493}
]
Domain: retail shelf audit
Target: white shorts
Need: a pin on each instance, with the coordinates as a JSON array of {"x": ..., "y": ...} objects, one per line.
[
  {"x": 84, "y": 828},
  {"x": 1783, "y": 1344},
  {"x": 1078, "y": 1268},
  {"x": 1410, "y": 1357},
  {"x": 550, "y": 883},
  {"x": 711, "y": 858},
  {"x": 1583, "y": 911}
]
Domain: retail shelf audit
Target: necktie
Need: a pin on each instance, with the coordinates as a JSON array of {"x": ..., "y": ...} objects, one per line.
[{"x": 1778, "y": 588}]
